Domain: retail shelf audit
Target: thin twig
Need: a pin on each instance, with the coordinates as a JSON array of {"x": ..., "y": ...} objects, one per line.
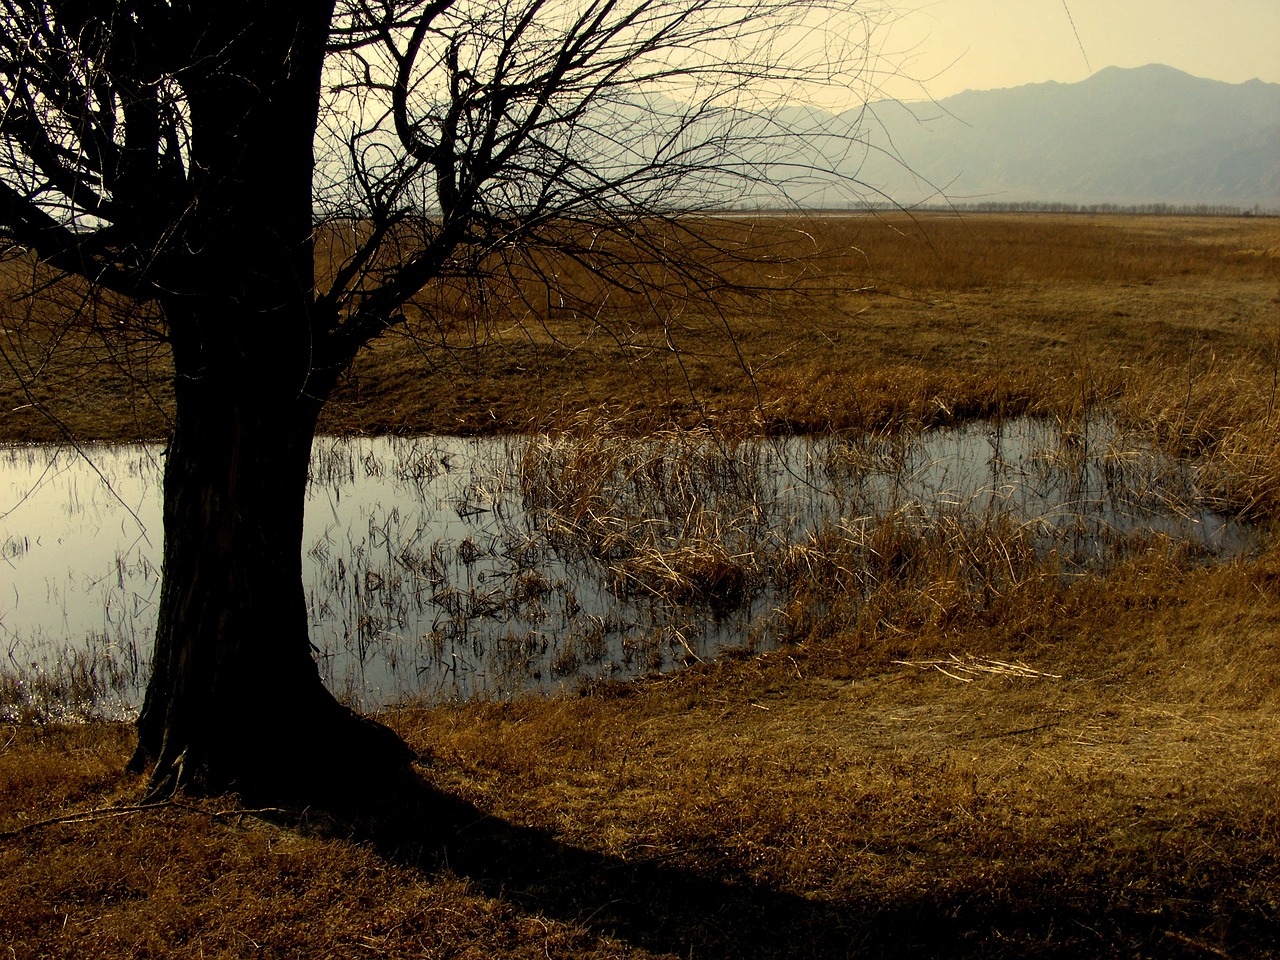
[
  {"x": 86, "y": 816},
  {"x": 108, "y": 813}
]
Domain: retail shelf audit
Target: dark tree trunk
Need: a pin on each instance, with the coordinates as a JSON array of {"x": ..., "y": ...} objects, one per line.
[{"x": 235, "y": 700}]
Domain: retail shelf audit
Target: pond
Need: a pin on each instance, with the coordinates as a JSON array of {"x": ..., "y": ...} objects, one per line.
[{"x": 440, "y": 567}]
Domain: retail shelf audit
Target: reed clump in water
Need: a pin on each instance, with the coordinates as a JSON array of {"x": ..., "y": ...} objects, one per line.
[
  {"x": 678, "y": 515},
  {"x": 92, "y": 680},
  {"x": 867, "y": 536},
  {"x": 1223, "y": 416},
  {"x": 688, "y": 541}
]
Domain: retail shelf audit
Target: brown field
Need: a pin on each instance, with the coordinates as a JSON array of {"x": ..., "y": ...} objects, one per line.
[
  {"x": 892, "y": 320},
  {"x": 981, "y": 759}
]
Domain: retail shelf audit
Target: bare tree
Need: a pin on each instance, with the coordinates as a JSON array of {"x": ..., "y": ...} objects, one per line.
[{"x": 194, "y": 156}]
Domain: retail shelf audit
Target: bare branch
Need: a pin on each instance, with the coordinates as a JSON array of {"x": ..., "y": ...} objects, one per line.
[{"x": 489, "y": 126}]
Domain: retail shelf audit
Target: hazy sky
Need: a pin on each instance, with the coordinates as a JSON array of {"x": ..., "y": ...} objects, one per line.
[{"x": 953, "y": 45}]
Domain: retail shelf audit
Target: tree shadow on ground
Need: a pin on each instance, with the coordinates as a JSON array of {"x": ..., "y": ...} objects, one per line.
[
  {"x": 665, "y": 908},
  {"x": 646, "y": 903}
]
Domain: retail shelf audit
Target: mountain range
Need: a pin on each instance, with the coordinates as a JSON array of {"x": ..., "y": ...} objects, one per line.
[{"x": 1147, "y": 135}]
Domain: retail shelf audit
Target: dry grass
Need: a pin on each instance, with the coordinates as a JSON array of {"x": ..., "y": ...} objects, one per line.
[
  {"x": 1112, "y": 797},
  {"x": 961, "y": 753},
  {"x": 896, "y": 320}
]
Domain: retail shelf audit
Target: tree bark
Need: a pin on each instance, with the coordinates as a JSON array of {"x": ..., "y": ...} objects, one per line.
[{"x": 235, "y": 701}]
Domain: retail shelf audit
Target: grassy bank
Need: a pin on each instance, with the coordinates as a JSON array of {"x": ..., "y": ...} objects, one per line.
[
  {"x": 1100, "y": 786},
  {"x": 975, "y": 757}
]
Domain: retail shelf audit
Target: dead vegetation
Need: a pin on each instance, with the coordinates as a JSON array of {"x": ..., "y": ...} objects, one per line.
[
  {"x": 960, "y": 752},
  {"x": 1100, "y": 786},
  {"x": 894, "y": 321}
]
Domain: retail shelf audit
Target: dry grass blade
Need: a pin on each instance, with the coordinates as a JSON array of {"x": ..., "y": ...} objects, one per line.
[{"x": 967, "y": 668}]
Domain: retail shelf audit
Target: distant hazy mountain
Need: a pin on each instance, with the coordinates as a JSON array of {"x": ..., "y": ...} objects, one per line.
[{"x": 1147, "y": 135}]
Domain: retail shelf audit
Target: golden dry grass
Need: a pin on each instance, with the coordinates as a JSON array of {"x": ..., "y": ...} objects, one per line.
[
  {"x": 1115, "y": 797},
  {"x": 928, "y": 319},
  {"x": 1011, "y": 764}
]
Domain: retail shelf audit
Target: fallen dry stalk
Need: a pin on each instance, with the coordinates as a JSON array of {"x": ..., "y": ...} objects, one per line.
[{"x": 968, "y": 668}]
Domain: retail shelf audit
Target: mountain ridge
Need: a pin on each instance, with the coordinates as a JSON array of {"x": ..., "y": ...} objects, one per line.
[{"x": 1127, "y": 136}]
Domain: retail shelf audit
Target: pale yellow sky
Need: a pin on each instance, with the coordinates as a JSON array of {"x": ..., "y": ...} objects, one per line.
[{"x": 953, "y": 45}]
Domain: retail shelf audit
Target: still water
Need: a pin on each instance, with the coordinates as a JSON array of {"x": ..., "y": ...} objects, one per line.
[{"x": 439, "y": 568}]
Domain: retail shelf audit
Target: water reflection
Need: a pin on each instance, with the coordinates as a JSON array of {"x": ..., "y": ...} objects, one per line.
[{"x": 445, "y": 567}]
